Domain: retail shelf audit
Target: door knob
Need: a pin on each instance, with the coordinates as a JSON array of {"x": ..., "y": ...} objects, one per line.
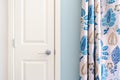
[{"x": 48, "y": 52}]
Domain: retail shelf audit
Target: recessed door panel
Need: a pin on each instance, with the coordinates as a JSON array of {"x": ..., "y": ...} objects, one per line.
[
  {"x": 35, "y": 70},
  {"x": 35, "y": 23}
]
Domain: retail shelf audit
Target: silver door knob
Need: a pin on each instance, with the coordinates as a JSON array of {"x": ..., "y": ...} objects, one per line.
[{"x": 48, "y": 52}]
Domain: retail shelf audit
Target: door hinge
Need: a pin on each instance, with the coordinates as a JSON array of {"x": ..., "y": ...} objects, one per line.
[
  {"x": 54, "y": 52},
  {"x": 13, "y": 43}
]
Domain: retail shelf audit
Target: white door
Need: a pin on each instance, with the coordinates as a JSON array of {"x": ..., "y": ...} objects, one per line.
[{"x": 33, "y": 52}]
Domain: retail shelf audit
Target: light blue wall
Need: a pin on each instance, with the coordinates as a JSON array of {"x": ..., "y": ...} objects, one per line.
[{"x": 70, "y": 39}]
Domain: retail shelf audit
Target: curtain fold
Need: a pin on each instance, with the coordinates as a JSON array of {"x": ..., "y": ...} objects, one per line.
[{"x": 100, "y": 40}]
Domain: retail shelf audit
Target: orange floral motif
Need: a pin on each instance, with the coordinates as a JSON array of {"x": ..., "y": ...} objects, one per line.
[
  {"x": 112, "y": 39},
  {"x": 91, "y": 38},
  {"x": 84, "y": 69},
  {"x": 97, "y": 8}
]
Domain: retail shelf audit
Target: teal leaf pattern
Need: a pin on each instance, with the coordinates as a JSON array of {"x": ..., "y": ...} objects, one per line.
[
  {"x": 109, "y": 19},
  {"x": 104, "y": 72},
  {"x": 105, "y": 48},
  {"x": 111, "y": 1}
]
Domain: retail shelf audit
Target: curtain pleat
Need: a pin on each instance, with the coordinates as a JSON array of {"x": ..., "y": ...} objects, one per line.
[{"x": 100, "y": 40}]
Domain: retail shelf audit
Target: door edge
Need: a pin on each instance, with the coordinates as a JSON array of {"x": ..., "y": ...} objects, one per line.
[{"x": 57, "y": 39}]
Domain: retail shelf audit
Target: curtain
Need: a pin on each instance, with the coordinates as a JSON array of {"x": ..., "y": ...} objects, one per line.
[{"x": 100, "y": 40}]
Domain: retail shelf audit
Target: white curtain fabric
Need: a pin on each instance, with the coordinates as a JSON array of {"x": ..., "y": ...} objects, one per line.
[{"x": 100, "y": 40}]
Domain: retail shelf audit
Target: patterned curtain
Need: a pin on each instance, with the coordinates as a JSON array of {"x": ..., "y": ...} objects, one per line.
[{"x": 100, "y": 40}]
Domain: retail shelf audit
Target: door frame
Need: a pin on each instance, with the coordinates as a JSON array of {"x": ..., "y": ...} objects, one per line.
[
  {"x": 57, "y": 24},
  {"x": 58, "y": 39}
]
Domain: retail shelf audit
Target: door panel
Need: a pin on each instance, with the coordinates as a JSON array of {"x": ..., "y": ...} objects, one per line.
[
  {"x": 34, "y": 35},
  {"x": 35, "y": 16},
  {"x": 35, "y": 70}
]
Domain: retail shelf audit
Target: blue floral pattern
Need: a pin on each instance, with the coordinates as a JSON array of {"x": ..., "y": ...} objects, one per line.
[
  {"x": 84, "y": 19},
  {"x": 104, "y": 72},
  {"x": 91, "y": 14},
  {"x": 104, "y": 52},
  {"x": 111, "y": 1},
  {"x": 116, "y": 55},
  {"x": 118, "y": 31},
  {"x": 109, "y": 19},
  {"x": 100, "y": 40},
  {"x": 83, "y": 45}
]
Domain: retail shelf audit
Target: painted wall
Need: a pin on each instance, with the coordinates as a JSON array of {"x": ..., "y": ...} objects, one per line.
[
  {"x": 70, "y": 39},
  {"x": 3, "y": 39}
]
